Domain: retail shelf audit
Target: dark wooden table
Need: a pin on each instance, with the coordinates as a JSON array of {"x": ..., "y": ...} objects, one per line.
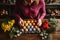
[{"x": 4, "y": 36}]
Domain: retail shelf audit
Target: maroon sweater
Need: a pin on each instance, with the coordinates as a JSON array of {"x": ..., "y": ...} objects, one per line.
[{"x": 32, "y": 12}]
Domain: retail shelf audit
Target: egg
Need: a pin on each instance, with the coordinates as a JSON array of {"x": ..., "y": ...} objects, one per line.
[
  {"x": 28, "y": 21},
  {"x": 26, "y": 24},
  {"x": 30, "y": 24},
  {"x": 45, "y": 36},
  {"x": 39, "y": 29},
  {"x": 32, "y": 27},
  {"x": 17, "y": 31},
  {"x": 24, "y": 27},
  {"x": 32, "y": 21},
  {"x": 28, "y": 27},
  {"x": 15, "y": 35},
  {"x": 36, "y": 27},
  {"x": 53, "y": 14},
  {"x": 24, "y": 21},
  {"x": 18, "y": 34},
  {"x": 42, "y": 37},
  {"x": 35, "y": 20},
  {"x": 41, "y": 34},
  {"x": 22, "y": 30}
]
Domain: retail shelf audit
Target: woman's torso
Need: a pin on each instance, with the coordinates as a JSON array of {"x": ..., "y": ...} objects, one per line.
[{"x": 29, "y": 11}]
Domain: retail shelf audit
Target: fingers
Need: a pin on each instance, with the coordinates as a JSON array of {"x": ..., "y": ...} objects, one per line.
[
  {"x": 21, "y": 23},
  {"x": 39, "y": 22}
]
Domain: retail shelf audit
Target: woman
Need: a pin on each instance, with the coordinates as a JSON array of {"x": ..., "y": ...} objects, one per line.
[{"x": 29, "y": 9}]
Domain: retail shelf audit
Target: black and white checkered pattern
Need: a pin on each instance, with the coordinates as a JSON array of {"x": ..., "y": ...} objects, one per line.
[{"x": 30, "y": 29}]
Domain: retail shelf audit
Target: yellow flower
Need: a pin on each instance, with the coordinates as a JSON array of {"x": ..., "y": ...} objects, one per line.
[
  {"x": 13, "y": 21},
  {"x": 4, "y": 30},
  {"x": 9, "y": 22},
  {"x": 8, "y": 26},
  {"x": 2, "y": 24}
]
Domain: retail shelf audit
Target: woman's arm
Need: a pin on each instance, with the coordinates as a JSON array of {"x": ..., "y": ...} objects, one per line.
[
  {"x": 43, "y": 14},
  {"x": 17, "y": 16}
]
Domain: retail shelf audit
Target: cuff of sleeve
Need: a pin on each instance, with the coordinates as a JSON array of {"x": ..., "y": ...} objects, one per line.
[{"x": 17, "y": 16}]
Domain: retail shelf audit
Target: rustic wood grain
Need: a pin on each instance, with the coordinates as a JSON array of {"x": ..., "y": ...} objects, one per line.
[{"x": 4, "y": 36}]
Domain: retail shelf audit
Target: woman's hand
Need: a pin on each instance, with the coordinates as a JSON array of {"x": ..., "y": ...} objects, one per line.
[
  {"x": 21, "y": 22},
  {"x": 39, "y": 22}
]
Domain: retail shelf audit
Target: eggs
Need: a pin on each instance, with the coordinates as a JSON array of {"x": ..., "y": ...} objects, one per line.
[{"x": 30, "y": 26}]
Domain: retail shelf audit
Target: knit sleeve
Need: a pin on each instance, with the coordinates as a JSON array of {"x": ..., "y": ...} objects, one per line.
[
  {"x": 17, "y": 16},
  {"x": 43, "y": 14}
]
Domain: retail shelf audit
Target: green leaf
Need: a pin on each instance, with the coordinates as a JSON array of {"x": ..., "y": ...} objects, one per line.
[{"x": 11, "y": 34}]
